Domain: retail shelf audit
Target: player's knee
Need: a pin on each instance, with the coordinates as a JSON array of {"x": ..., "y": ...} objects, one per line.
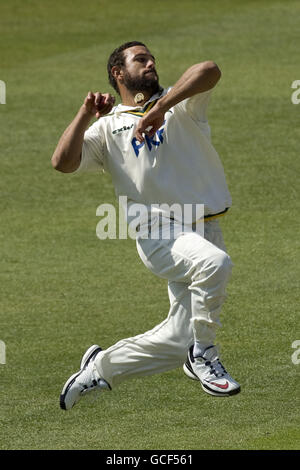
[
  {"x": 217, "y": 265},
  {"x": 221, "y": 264}
]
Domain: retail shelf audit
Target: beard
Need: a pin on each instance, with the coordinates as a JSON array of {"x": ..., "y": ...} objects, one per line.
[{"x": 149, "y": 82}]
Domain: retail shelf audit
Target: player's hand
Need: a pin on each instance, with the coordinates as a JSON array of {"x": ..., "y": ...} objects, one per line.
[
  {"x": 99, "y": 104},
  {"x": 150, "y": 123}
]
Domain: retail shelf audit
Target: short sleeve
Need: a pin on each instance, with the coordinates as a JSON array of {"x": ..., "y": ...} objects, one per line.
[
  {"x": 196, "y": 106},
  {"x": 92, "y": 154}
]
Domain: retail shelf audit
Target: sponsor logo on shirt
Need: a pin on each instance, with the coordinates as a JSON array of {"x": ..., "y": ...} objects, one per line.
[
  {"x": 150, "y": 142},
  {"x": 122, "y": 129}
]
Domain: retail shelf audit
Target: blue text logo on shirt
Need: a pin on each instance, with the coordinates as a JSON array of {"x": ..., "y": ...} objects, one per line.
[{"x": 150, "y": 142}]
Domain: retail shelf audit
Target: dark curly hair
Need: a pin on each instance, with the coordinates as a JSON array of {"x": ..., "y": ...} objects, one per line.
[{"x": 117, "y": 58}]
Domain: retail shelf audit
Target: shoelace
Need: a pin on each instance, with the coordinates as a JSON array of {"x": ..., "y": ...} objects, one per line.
[
  {"x": 87, "y": 388},
  {"x": 216, "y": 368},
  {"x": 93, "y": 384}
]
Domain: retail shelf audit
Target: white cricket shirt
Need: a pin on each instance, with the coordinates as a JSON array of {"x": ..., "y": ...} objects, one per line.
[{"x": 178, "y": 165}]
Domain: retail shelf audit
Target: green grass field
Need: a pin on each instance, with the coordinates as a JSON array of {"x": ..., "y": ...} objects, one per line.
[{"x": 62, "y": 289}]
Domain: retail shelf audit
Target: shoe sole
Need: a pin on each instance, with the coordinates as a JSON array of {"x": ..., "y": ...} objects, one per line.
[
  {"x": 190, "y": 373},
  {"x": 88, "y": 355}
]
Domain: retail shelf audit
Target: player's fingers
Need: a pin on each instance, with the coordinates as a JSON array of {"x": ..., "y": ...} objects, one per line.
[
  {"x": 142, "y": 128},
  {"x": 89, "y": 98},
  {"x": 155, "y": 124},
  {"x": 105, "y": 110},
  {"x": 99, "y": 100},
  {"x": 139, "y": 134},
  {"x": 104, "y": 102},
  {"x": 108, "y": 104},
  {"x": 109, "y": 99},
  {"x": 150, "y": 131}
]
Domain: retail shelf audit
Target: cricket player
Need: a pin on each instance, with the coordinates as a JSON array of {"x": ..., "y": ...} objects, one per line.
[{"x": 157, "y": 148}]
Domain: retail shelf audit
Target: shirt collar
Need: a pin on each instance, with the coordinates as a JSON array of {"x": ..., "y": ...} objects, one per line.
[{"x": 122, "y": 107}]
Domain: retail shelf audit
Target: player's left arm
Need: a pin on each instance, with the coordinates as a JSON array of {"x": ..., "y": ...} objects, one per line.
[{"x": 196, "y": 79}]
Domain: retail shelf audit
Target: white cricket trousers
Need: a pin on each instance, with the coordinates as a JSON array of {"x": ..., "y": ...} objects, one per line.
[{"x": 197, "y": 269}]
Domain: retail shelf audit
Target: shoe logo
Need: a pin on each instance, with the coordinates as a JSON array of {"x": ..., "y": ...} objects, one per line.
[{"x": 222, "y": 386}]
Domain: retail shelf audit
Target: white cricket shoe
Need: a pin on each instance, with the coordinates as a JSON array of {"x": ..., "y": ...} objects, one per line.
[
  {"x": 213, "y": 377},
  {"x": 85, "y": 380}
]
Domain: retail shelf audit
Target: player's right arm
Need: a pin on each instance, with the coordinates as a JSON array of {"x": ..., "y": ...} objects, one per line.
[{"x": 67, "y": 155}]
